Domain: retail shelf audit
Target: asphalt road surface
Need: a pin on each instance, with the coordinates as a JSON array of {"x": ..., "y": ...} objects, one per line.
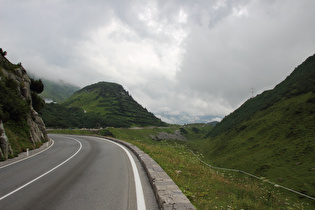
[{"x": 77, "y": 172}]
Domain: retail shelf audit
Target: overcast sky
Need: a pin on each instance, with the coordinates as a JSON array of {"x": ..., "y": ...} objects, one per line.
[{"x": 199, "y": 57}]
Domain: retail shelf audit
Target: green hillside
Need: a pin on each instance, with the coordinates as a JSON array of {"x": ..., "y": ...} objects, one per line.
[
  {"x": 57, "y": 91},
  {"x": 99, "y": 105},
  {"x": 273, "y": 134}
]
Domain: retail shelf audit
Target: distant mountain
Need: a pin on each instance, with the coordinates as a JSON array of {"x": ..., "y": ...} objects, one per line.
[
  {"x": 57, "y": 91},
  {"x": 213, "y": 123},
  {"x": 273, "y": 134},
  {"x": 99, "y": 105},
  {"x": 60, "y": 91},
  {"x": 185, "y": 118}
]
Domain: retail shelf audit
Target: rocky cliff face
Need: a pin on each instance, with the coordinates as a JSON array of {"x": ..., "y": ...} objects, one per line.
[
  {"x": 5, "y": 147},
  {"x": 37, "y": 131}
]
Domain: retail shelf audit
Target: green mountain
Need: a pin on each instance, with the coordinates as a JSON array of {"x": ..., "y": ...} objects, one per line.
[
  {"x": 57, "y": 91},
  {"x": 99, "y": 105},
  {"x": 273, "y": 134}
]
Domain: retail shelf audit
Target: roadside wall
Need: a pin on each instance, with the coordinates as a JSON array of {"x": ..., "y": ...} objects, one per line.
[{"x": 167, "y": 193}]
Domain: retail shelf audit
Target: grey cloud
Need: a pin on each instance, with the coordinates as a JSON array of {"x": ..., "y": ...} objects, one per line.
[
  {"x": 204, "y": 65},
  {"x": 226, "y": 61}
]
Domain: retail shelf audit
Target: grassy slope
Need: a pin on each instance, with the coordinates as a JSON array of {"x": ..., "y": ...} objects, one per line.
[
  {"x": 273, "y": 134},
  {"x": 300, "y": 81},
  {"x": 207, "y": 188},
  {"x": 87, "y": 101},
  {"x": 272, "y": 145}
]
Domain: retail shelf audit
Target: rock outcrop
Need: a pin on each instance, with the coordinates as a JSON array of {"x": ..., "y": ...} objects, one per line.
[
  {"x": 5, "y": 148},
  {"x": 37, "y": 126},
  {"x": 169, "y": 136},
  {"x": 37, "y": 131}
]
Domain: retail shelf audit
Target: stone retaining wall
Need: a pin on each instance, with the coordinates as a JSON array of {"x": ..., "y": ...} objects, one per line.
[{"x": 168, "y": 194}]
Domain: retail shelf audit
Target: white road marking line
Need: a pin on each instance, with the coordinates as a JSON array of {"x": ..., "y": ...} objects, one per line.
[
  {"x": 28, "y": 156},
  {"x": 30, "y": 182},
  {"x": 139, "y": 190}
]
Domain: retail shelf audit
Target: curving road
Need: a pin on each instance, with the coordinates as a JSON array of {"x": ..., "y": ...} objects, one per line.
[{"x": 77, "y": 172}]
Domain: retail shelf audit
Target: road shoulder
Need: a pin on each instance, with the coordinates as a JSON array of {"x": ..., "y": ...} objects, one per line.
[
  {"x": 167, "y": 193},
  {"x": 25, "y": 155}
]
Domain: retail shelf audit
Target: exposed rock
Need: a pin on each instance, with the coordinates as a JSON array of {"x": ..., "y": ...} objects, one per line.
[
  {"x": 167, "y": 136},
  {"x": 5, "y": 148},
  {"x": 38, "y": 130},
  {"x": 178, "y": 172}
]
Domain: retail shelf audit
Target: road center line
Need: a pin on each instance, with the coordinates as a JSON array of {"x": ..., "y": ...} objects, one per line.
[
  {"x": 139, "y": 190},
  {"x": 30, "y": 182}
]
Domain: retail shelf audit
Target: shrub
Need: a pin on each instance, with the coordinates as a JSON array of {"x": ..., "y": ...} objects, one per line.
[
  {"x": 106, "y": 132},
  {"x": 183, "y": 131},
  {"x": 37, "y": 101},
  {"x": 195, "y": 130},
  {"x": 13, "y": 107},
  {"x": 37, "y": 86}
]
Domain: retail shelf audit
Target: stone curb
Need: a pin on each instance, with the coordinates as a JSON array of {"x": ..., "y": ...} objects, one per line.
[{"x": 168, "y": 194}]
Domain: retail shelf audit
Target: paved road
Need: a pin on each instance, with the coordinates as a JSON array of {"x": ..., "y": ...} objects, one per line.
[{"x": 78, "y": 172}]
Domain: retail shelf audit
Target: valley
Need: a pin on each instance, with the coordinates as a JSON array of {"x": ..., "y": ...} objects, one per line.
[{"x": 270, "y": 136}]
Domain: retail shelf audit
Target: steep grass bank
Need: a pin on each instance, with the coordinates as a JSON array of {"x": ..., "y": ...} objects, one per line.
[
  {"x": 276, "y": 143},
  {"x": 201, "y": 183},
  {"x": 272, "y": 135}
]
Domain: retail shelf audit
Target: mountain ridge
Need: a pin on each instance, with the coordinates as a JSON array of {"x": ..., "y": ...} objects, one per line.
[
  {"x": 109, "y": 104},
  {"x": 272, "y": 135},
  {"x": 296, "y": 83}
]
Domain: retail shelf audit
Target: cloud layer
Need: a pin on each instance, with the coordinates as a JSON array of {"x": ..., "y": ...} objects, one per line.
[{"x": 194, "y": 57}]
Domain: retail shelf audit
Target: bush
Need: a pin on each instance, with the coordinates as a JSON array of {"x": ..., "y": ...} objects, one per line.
[
  {"x": 183, "y": 131},
  {"x": 37, "y": 101},
  {"x": 106, "y": 132},
  {"x": 3, "y": 53},
  {"x": 13, "y": 107},
  {"x": 37, "y": 86},
  {"x": 195, "y": 130}
]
